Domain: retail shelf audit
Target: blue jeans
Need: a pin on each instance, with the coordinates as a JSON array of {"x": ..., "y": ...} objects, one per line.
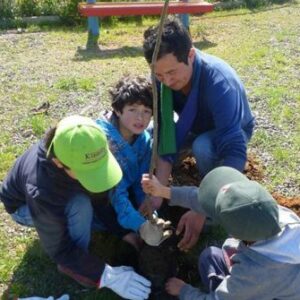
[
  {"x": 81, "y": 219},
  {"x": 212, "y": 267},
  {"x": 206, "y": 153}
]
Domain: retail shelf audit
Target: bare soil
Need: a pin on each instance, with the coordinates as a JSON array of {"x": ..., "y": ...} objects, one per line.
[{"x": 186, "y": 173}]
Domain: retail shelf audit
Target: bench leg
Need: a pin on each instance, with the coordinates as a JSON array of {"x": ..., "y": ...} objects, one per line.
[
  {"x": 93, "y": 30},
  {"x": 185, "y": 18}
]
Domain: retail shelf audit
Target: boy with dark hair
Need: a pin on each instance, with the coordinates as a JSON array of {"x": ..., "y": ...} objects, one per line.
[
  {"x": 214, "y": 118},
  {"x": 125, "y": 128},
  {"x": 58, "y": 187},
  {"x": 261, "y": 260}
]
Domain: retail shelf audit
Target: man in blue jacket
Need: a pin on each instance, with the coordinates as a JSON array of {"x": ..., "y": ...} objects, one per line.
[
  {"x": 214, "y": 117},
  {"x": 58, "y": 186}
]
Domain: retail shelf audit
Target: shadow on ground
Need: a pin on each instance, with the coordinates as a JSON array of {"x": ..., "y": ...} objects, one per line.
[
  {"x": 84, "y": 54},
  {"x": 37, "y": 275}
]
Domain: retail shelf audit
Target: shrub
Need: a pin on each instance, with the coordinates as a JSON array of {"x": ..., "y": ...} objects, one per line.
[
  {"x": 6, "y": 9},
  {"x": 68, "y": 11}
]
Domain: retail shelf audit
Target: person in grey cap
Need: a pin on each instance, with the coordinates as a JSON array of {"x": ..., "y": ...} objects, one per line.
[{"x": 260, "y": 260}]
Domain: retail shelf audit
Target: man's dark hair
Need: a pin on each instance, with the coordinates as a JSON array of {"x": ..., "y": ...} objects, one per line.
[
  {"x": 131, "y": 90},
  {"x": 175, "y": 40}
]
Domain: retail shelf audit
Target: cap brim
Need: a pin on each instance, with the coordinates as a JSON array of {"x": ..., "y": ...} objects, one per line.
[
  {"x": 211, "y": 184},
  {"x": 103, "y": 178}
]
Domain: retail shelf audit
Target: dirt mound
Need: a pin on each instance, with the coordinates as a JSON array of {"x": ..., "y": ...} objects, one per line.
[
  {"x": 187, "y": 173},
  {"x": 290, "y": 202}
]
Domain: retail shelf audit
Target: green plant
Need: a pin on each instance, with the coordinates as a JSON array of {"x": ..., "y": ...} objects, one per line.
[
  {"x": 68, "y": 12},
  {"x": 75, "y": 84},
  {"x": 28, "y": 8},
  {"x": 281, "y": 154},
  {"x": 6, "y": 9},
  {"x": 38, "y": 124}
]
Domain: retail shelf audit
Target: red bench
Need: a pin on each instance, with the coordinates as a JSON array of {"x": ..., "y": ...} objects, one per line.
[
  {"x": 93, "y": 10},
  {"x": 102, "y": 9}
]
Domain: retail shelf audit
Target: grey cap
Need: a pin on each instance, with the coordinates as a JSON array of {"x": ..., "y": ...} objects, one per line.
[
  {"x": 212, "y": 183},
  {"x": 247, "y": 211},
  {"x": 244, "y": 208}
]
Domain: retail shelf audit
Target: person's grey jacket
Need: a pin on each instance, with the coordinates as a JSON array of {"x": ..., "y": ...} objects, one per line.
[{"x": 267, "y": 270}]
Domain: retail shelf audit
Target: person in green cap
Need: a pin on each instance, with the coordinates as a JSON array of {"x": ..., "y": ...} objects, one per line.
[
  {"x": 260, "y": 260},
  {"x": 59, "y": 186}
]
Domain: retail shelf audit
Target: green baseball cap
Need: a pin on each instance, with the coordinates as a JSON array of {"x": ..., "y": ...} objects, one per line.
[
  {"x": 243, "y": 207},
  {"x": 81, "y": 145},
  {"x": 247, "y": 211},
  {"x": 212, "y": 183}
]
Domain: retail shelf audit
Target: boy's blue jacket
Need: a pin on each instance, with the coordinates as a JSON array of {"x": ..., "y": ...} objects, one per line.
[
  {"x": 36, "y": 181},
  {"x": 134, "y": 160}
]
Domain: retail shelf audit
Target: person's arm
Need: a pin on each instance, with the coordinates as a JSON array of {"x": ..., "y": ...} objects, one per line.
[
  {"x": 162, "y": 172},
  {"x": 127, "y": 215},
  {"x": 143, "y": 149},
  {"x": 51, "y": 225},
  {"x": 184, "y": 196},
  {"x": 230, "y": 110},
  {"x": 177, "y": 287},
  {"x": 77, "y": 263},
  {"x": 247, "y": 271},
  {"x": 192, "y": 222},
  {"x": 153, "y": 187}
]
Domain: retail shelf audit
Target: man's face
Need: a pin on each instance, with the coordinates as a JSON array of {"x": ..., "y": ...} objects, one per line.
[
  {"x": 174, "y": 74},
  {"x": 134, "y": 119}
]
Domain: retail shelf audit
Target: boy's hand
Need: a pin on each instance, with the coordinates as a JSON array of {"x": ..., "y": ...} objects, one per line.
[
  {"x": 151, "y": 185},
  {"x": 192, "y": 224},
  {"x": 154, "y": 232},
  {"x": 174, "y": 285}
]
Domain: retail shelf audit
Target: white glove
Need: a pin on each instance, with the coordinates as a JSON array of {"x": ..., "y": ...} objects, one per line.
[
  {"x": 154, "y": 232},
  {"x": 125, "y": 282},
  {"x": 63, "y": 297}
]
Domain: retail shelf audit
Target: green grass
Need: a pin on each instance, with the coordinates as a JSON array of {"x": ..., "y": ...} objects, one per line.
[
  {"x": 45, "y": 65},
  {"x": 75, "y": 84}
]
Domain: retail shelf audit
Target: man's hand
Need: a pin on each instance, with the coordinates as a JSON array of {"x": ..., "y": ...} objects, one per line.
[
  {"x": 125, "y": 282},
  {"x": 154, "y": 232},
  {"x": 174, "y": 285},
  {"x": 192, "y": 224}
]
